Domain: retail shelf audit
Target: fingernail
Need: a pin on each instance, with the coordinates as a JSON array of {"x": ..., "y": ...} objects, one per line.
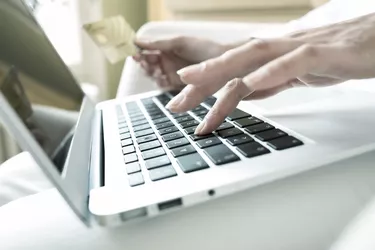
[
  {"x": 181, "y": 71},
  {"x": 137, "y": 57},
  {"x": 172, "y": 104}
]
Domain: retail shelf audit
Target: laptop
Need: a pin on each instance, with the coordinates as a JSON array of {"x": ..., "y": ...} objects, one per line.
[{"x": 128, "y": 160}]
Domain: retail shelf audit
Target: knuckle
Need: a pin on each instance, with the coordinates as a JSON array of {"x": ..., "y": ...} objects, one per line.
[
  {"x": 237, "y": 88},
  {"x": 283, "y": 66},
  {"x": 260, "y": 44},
  {"x": 309, "y": 50},
  {"x": 178, "y": 44},
  {"x": 227, "y": 55}
]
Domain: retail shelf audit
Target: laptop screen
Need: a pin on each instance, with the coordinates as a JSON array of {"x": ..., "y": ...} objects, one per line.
[{"x": 36, "y": 82}]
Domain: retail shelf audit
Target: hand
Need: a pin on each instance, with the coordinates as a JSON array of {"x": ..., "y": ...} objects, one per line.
[
  {"x": 264, "y": 67},
  {"x": 161, "y": 59}
]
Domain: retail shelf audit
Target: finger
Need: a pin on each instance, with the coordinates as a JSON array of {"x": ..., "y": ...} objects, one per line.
[
  {"x": 262, "y": 94},
  {"x": 237, "y": 62},
  {"x": 169, "y": 63},
  {"x": 233, "y": 92},
  {"x": 190, "y": 97},
  {"x": 157, "y": 72},
  {"x": 213, "y": 74},
  {"x": 151, "y": 58},
  {"x": 161, "y": 44},
  {"x": 295, "y": 64},
  {"x": 147, "y": 67},
  {"x": 319, "y": 81},
  {"x": 162, "y": 81},
  {"x": 137, "y": 57}
]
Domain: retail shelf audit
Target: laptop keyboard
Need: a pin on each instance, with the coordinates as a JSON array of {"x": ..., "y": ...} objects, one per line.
[{"x": 246, "y": 135}]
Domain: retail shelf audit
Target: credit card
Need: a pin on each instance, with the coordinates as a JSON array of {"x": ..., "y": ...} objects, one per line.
[{"x": 114, "y": 36}]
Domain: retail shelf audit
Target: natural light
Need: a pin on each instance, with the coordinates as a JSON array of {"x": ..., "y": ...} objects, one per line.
[{"x": 60, "y": 20}]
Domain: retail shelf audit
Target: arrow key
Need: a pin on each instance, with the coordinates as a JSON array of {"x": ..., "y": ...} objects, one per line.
[{"x": 208, "y": 142}]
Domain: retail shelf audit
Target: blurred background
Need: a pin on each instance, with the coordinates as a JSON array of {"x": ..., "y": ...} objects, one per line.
[{"x": 63, "y": 19}]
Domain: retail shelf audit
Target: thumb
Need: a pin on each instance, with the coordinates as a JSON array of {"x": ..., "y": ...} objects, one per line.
[{"x": 165, "y": 45}]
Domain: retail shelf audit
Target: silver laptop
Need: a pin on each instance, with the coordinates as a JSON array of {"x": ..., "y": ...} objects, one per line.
[{"x": 128, "y": 160}]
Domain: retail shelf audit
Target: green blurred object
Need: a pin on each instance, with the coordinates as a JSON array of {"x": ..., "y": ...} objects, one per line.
[{"x": 135, "y": 13}]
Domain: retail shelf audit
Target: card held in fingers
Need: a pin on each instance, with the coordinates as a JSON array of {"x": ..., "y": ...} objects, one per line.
[{"x": 114, "y": 36}]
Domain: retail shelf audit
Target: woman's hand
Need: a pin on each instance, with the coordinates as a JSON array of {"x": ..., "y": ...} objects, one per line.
[
  {"x": 264, "y": 67},
  {"x": 161, "y": 59}
]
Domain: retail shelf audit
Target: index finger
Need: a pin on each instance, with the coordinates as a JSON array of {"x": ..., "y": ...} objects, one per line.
[{"x": 208, "y": 77}]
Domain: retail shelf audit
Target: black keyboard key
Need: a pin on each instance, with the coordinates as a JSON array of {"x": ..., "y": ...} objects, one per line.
[
  {"x": 128, "y": 149},
  {"x": 237, "y": 114},
  {"x": 162, "y": 173},
  {"x": 134, "y": 115},
  {"x": 177, "y": 143},
  {"x": 141, "y": 127},
  {"x": 201, "y": 113},
  {"x": 190, "y": 130},
  {"x": 172, "y": 136},
  {"x": 192, "y": 162},
  {"x": 210, "y": 101},
  {"x": 123, "y": 130},
  {"x": 199, "y": 108},
  {"x": 129, "y": 158},
  {"x": 252, "y": 149},
  {"x": 147, "y": 101},
  {"x": 185, "y": 150},
  {"x": 144, "y": 132},
  {"x": 189, "y": 124},
  {"x": 221, "y": 154},
  {"x": 154, "y": 111},
  {"x": 124, "y": 136},
  {"x": 284, "y": 143},
  {"x": 136, "y": 179},
  {"x": 184, "y": 119},
  {"x": 161, "y": 120},
  {"x": 225, "y": 125},
  {"x": 178, "y": 115},
  {"x": 157, "y": 162},
  {"x": 200, "y": 137},
  {"x": 133, "y": 168},
  {"x": 174, "y": 92},
  {"x": 149, "y": 145},
  {"x": 239, "y": 139},
  {"x": 229, "y": 132},
  {"x": 157, "y": 116},
  {"x": 208, "y": 142},
  {"x": 259, "y": 128},
  {"x": 146, "y": 138},
  {"x": 249, "y": 121},
  {"x": 169, "y": 130},
  {"x": 138, "y": 118},
  {"x": 164, "y": 125},
  {"x": 202, "y": 117},
  {"x": 163, "y": 97},
  {"x": 152, "y": 153},
  {"x": 270, "y": 135},
  {"x": 140, "y": 122},
  {"x": 126, "y": 142}
]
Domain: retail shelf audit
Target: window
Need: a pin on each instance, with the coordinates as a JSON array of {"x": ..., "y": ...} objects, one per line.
[{"x": 60, "y": 21}]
